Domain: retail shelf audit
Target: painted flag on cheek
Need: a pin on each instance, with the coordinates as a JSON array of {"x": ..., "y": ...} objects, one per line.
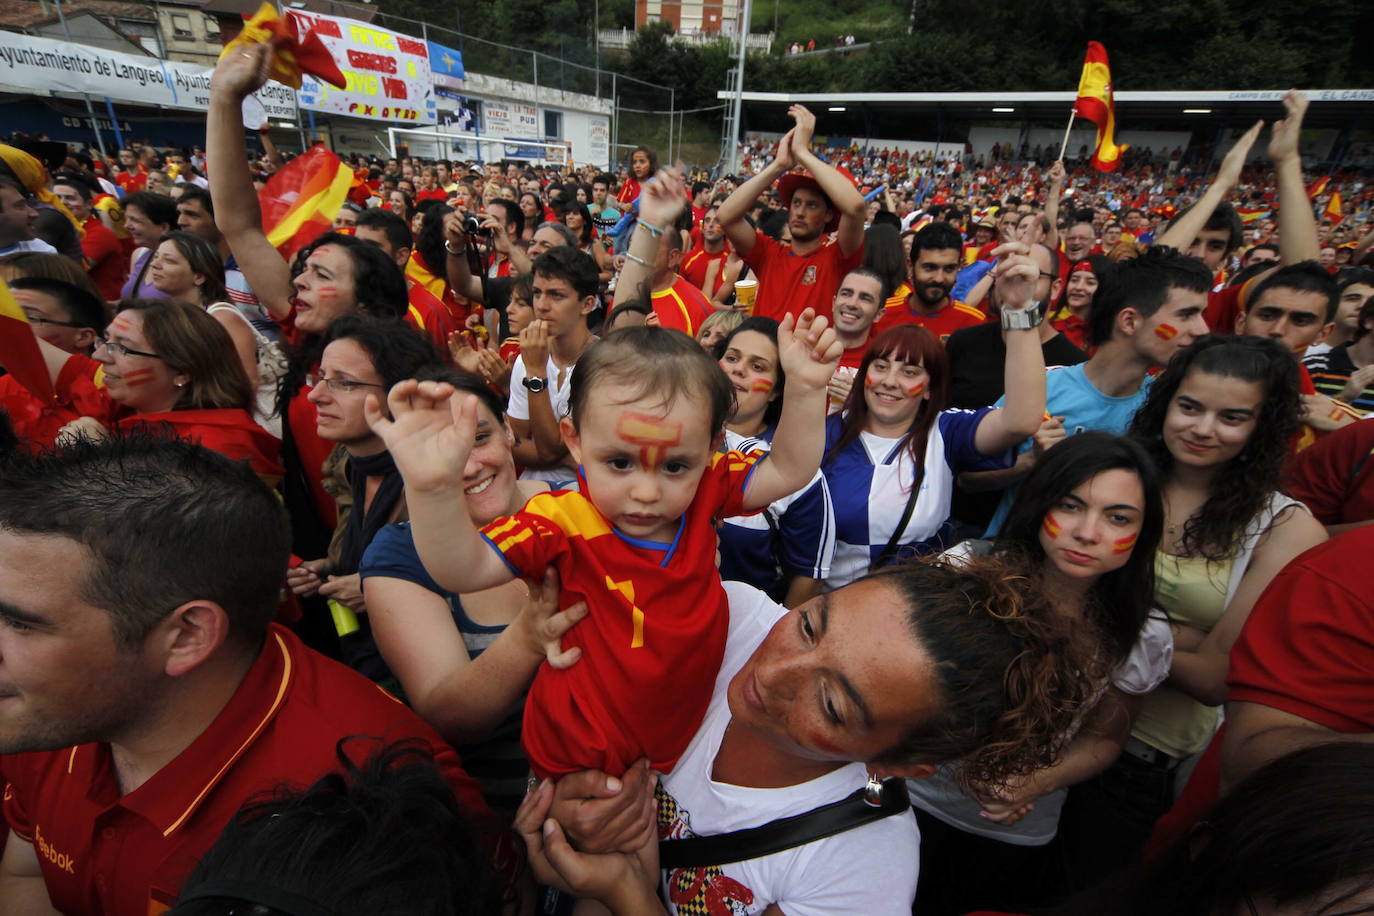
[
  {"x": 1095, "y": 103},
  {"x": 19, "y": 350}
]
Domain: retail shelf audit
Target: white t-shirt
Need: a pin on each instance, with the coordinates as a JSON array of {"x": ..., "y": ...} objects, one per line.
[
  {"x": 518, "y": 407},
  {"x": 871, "y": 869}
]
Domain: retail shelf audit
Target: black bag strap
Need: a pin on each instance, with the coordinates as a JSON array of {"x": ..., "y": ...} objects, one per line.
[
  {"x": 784, "y": 833},
  {"x": 891, "y": 549}
]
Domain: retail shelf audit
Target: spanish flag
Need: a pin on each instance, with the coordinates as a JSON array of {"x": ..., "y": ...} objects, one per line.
[
  {"x": 1315, "y": 188},
  {"x": 300, "y": 201},
  {"x": 19, "y": 351},
  {"x": 291, "y": 54},
  {"x": 1333, "y": 209},
  {"x": 1095, "y": 104}
]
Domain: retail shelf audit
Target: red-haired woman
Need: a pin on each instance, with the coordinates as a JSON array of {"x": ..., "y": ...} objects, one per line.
[{"x": 892, "y": 454}]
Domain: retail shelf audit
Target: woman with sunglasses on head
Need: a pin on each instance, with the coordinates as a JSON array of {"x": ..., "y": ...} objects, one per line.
[
  {"x": 1218, "y": 423},
  {"x": 1087, "y": 520},
  {"x": 163, "y": 363}
]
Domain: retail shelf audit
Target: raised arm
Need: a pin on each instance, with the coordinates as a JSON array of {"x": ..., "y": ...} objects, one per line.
[
  {"x": 430, "y": 439},
  {"x": 1298, "y": 235},
  {"x": 660, "y": 204},
  {"x": 1015, "y": 275},
  {"x": 844, "y": 197},
  {"x": 1183, "y": 232},
  {"x": 237, "y": 75},
  {"x": 456, "y": 267},
  {"x": 735, "y": 207},
  {"x": 808, "y": 356},
  {"x": 1052, "y": 203}
]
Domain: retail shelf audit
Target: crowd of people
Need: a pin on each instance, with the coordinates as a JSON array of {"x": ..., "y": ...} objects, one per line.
[{"x": 859, "y": 534}]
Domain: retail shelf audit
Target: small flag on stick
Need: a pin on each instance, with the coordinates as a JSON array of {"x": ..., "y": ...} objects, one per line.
[{"x": 1095, "y": 103}]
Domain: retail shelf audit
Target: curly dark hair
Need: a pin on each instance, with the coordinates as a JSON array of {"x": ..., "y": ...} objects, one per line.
[
  {"x": 1239, "y": 492},
  {"x": 1013, "y": 673}
]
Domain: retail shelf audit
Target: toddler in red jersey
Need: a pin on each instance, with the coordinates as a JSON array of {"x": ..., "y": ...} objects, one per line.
[{"x": 637, "y": 543}]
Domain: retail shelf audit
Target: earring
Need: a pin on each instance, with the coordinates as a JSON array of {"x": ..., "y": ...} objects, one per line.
[
  {"x": 873, "y": 791},
  {"x": 181, "y": 384}
]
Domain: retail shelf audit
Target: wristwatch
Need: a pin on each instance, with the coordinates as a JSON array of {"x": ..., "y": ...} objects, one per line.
[
  {"x": 1021, "y": 319},
  {"x": 535, "y": 385}
]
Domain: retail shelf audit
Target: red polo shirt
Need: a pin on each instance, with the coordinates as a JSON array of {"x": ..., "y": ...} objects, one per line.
[
  {"x": 943, "y": 323},
  {"x": 789, "y": 282},
  {"x": 681, "y": 307},
  {"x": 101, "y": 852},
  {"x": 426, "y": 314},
  {"x": 106, "y": 260},
  {"x": 696, "y": 263}
]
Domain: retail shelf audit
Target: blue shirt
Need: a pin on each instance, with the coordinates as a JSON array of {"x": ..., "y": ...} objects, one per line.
[
  {"x": 870, "y": 483},
  {"x": 1070, "y": 395},
  {"x": 794, "y": 536}
]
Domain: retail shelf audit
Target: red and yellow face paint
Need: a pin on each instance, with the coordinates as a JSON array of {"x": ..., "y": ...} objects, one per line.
[
  {"x": 1051, "y": 525},
  {"x": 1124, "y": 545},
  {"x": 1166, "y": 331},
  {"x": 139, "y": 377},
  {"x": 760, "y": 386},
  {"x": 914, "y": 389},
  {"x": 650, "y": 433}
]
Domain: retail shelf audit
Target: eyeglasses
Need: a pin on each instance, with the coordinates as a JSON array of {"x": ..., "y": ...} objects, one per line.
[
  {"x": 39, "y": 319},
  {"x": 118, "y": 349},
  {"x": 346, "y": 384}
]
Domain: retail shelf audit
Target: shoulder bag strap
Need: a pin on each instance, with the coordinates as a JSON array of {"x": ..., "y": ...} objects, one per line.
[{"x": 784, "y": 833}]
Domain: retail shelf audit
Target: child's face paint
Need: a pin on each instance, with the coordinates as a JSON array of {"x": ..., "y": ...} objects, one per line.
[
  {"x": 1165, "y": 331},
  {"x": 652, "y": 434},
  {"x": 1124, "y": 545},
  {"x": 642, "y": 459}
]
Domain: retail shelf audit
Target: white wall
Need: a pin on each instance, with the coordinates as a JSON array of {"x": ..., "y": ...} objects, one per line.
[{"x": 982, "y": 139}]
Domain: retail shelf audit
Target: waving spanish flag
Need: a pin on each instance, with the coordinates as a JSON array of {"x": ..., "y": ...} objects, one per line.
[
  {"x": 292, "y": 55},
  {"x": 1316, "y": 187},
  {"x": 19, "y": 352},
  {"x": 300, "y": 201},
  {"x": 1095, "y": 104},
  {"x": 1333, "y": 209}
]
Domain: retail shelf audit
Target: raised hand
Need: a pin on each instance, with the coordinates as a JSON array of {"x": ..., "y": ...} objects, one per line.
[
  {"x": 805, "y": 129},
  {"x": 1057, "y": 172},
  {"x": 243, "y": 70},
  {"x": 808, "y": 350},
  {"x": 662, "y": 200},
  {"x": 430, "y": 432},
  {"x": 786, "y": 159},
  {"x": 1283, "y": 136},
  {"x": 1015, "y": 275},
  {"x": 1229, "y": 173}
]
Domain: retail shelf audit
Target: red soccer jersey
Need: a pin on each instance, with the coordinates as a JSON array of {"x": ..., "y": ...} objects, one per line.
[
  {"x": 103, "y": 852},
  {"x": 790, "y": 283},
  {"x": 1335, "y": 477},
  {"x": 681, "y": 307},
  {"x": 232, "y": 432},
  {"x": 106, "y": 260},
  {"x": 37, "y": 422},
  {"x": 696, "y": 263},
  {"x": 427, "y": 314},
  {"x": 943, "y": 323},
  {"x": 655, "y": 632}
]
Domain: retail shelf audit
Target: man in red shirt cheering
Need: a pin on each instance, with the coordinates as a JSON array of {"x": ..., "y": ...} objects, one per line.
[{"x": 806, "y": 273}]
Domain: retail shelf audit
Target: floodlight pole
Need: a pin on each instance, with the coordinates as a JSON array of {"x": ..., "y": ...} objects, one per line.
[{"x": 743, "y": 27}]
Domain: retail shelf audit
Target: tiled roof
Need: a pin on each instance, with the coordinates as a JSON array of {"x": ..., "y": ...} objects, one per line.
[{"x": 25, "y": 13}]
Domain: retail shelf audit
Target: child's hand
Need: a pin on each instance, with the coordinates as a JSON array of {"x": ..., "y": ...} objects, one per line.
[
  {"x": 808, "y": 350},
  {"x": 543, "y": 625},
  {"x": 430, "y": 433}
]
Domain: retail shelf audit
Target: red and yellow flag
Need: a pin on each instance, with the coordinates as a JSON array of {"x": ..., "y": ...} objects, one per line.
[
  {"x": 19, "y": 351},
  {"x": 1333, "y": 209},
  {"x": 1095, "y": 103},
  {"x": 1316, "y": 187},
  {"x": 292, "y": 55},
  {"x": 300, "y": 201}
]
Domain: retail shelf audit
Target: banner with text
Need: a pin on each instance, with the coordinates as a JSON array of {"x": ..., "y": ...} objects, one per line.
[
  {"x": 29, "y": 63},
  {"x": 388, "y": 74}
]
